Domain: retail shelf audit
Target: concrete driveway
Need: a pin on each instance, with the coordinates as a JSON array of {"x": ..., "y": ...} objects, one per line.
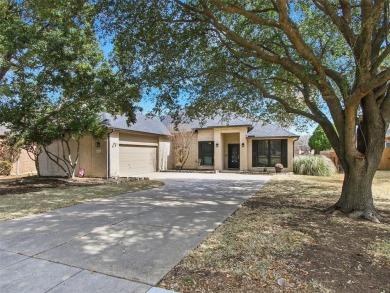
[{"x": 123, "y": 244}]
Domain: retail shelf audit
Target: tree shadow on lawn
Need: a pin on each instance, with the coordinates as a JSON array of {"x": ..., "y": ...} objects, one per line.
[
  {"x": 308, "y": 250},
  {"x": 343, "y": 256}
]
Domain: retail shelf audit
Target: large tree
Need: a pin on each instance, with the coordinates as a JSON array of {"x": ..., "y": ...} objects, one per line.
[
  {"x": 326, "y": 61},
  {"x": 51, "y": 61}
]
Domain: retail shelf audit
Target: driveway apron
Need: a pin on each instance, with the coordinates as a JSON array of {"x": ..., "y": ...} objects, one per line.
[{"x": 123, "y": 244}]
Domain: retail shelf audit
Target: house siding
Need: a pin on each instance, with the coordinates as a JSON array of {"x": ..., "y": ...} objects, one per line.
[
  {"x": 24, "y": 165},
  {"x": 92, "y": 158}
]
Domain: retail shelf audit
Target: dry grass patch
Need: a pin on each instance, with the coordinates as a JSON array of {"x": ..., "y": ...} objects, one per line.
[
  {"x": 38, "y": 196},
  {"x": 280, "y": 241}
]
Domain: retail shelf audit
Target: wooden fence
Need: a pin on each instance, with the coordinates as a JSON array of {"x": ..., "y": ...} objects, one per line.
[{"x": 385, "y": 161}]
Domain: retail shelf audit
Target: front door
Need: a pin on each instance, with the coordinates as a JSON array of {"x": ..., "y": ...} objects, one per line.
[{"x": 233, "y": 156}]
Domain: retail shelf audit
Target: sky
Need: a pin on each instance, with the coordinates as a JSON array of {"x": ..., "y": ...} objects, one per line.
[{"x": 147, "y": 105}]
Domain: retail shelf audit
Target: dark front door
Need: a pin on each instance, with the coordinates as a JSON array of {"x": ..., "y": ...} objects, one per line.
[{"x": 233, "y": 156}]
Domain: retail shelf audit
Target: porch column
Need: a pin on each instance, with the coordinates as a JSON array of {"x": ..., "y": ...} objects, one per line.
[
  {"x": 243, "y": 152},
  {"x": 218, "y": 150},
  {"x": 114, "y": 154}
]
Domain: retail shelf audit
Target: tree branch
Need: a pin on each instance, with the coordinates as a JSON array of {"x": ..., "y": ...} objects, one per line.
[{"x": 268, "y": 95}]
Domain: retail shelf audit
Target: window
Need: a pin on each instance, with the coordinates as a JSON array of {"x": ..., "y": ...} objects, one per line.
[
  {"x": 206, "y": 153},
  {"x": 267, "y": 153}
]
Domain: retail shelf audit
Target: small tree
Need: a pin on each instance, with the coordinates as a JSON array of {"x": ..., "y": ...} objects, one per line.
[
  {"x": 181, "y": 144},
  {"x": 34, "y": 150},
  {"x": 318, "y": 141},
  {"x": 68, "y": 129},
  {"x": 9, "y": 149}
]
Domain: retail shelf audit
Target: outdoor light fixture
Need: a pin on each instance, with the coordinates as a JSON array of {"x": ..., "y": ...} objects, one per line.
[
  {"x": 243, "y": 144},
  {"x": 217, "y": 144}
]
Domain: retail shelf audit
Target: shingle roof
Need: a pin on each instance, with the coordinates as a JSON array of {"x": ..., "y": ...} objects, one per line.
[
  {"x": 143, "y": 124},
  {"x": 269, "y": 130},
  {"x": 258, "y": 130},
  {"x": 217, "y": 121}
]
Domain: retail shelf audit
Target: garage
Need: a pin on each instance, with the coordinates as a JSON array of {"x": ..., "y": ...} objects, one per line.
[{"x": 135, "y": 160}]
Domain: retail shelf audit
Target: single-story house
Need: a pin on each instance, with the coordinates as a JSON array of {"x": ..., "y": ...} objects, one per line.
[
  {"x": 385, "y": 160},
  {"x": 24, "y": 165},
  {"x": 142, "y": 147},
  {"x": 145, "y": 146},
  {"x": 238, "y": 144}
]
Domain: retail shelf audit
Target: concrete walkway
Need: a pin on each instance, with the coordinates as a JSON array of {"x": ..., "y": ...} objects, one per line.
[{"x": 123, "y": 244}]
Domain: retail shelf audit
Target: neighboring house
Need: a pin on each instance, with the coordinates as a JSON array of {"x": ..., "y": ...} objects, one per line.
[
  {"x": 385, "y": 161},
  {"x": 239, "y": 144},
  {"x": 142, "y": 147},
  {"x": 301, "y": 146},
  {"x": 24, "y": 165}
]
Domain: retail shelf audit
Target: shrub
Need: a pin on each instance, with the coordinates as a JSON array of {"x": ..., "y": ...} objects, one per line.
[
  {"x": 5, "y": 168},
  {"x": 314, "y": 165}
]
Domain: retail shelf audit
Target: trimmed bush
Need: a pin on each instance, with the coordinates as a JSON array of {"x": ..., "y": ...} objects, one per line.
[
  {"x": 5, "y": 168},
  {"x": 313, "y": 165}
]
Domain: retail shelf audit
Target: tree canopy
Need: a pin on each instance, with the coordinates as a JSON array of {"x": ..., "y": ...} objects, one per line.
[
  {"x": 51, "y": 62},
  {"x": 318, "y": 141},
  {"x": 326, "y": 61}
]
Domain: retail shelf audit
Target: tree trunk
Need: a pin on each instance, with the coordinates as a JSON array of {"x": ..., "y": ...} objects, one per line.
[
  {"x": 356, "y": 198},
  {"x": 37, "y": 166}
]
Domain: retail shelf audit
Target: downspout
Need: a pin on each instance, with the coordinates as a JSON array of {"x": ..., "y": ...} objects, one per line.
[
  {"x": 294, "y": 146},
  {"x": 109, "y": 154}
]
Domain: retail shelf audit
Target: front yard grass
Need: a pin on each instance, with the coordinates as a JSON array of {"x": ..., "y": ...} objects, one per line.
[
  {"x": 280, "y": 241},
  {"x": 27, "y": 196}
]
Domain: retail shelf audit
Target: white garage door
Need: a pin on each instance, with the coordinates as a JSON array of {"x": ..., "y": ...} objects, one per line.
[{"x": 134, "y": 160}]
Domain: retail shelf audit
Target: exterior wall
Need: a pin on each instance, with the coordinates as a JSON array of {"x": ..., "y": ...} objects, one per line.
[
  {"x": 137, "y": 139},
  {"x": 165, "y": 154},
  {"x": 24, "y": 165},
  {"x": 113, "y": 153},
  {"x": 92, "y": 158},
  {"x": 225, "y": 135},
  {"x": 192, "y": 160},
  {"x": 290, "y": 155}
]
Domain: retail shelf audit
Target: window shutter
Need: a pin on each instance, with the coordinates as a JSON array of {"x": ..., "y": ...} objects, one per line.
[
  {"x": 254, "y": 153},
  {"x": 284, "y": 153}
]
